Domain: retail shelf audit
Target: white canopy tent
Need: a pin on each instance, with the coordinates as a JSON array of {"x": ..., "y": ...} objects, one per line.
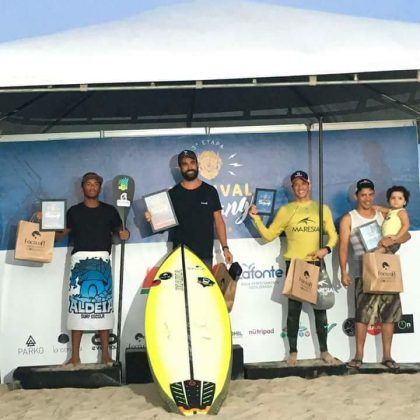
[
  {"x": 201, "y": 41},
  {"x": 195, "y": 64}
]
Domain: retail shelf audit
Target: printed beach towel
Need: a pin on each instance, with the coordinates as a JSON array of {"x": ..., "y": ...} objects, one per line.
[{"x": 90, "y": 292}]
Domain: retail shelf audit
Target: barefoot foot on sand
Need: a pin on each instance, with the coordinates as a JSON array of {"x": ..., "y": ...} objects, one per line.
[
  {"x": 71, "y": 363},
  {"x": 327, "y": 358},
  {"x": 292, "y": 359},
  {"x": 107, "y": 362}
]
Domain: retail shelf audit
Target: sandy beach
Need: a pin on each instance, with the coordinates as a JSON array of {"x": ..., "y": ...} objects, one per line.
[{"x": 384, "y": 396}]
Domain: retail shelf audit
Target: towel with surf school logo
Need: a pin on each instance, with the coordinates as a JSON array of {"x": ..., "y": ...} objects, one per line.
[{"x": 90, "y": 292}]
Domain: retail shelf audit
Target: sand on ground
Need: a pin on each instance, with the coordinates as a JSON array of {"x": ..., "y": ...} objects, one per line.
[{"x": 383, "y": 396}]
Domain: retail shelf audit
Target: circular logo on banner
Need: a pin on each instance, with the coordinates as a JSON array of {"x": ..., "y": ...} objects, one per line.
[
  {"x": 349, "y": 327},
  {"x": 63, "y": 338},
  {"x": 402, "y": 325},
  {"x": 213, "y": 161},
  {"x": 96, "y": 340},
  {"x": 210, "y": 164}
]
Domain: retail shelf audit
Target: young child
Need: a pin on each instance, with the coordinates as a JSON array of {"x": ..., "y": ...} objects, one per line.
[{"x": 396, "y": 223}]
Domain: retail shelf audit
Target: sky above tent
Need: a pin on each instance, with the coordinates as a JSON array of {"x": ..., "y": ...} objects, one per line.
[{"x": 30, "y": 18}]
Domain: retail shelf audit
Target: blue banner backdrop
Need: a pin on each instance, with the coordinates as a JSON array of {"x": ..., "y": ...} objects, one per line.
[{"x": 235, "y": 163}]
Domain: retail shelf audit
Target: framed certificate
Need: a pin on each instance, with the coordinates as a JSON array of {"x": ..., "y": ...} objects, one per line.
[
  {"x": 264, "y": 201},
  {"x": 370, "y": 234},
  {"x": 159, "y": 205},
  {"x": 53, "y": 215}
]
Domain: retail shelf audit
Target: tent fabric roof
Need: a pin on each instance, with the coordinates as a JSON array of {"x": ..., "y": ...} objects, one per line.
[
  {"x": 197, "y": 65},
  {"x": 49, "y": 112},
  {"x": 199, "y": 41}
]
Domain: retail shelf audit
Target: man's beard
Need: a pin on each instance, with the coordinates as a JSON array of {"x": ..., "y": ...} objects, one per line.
[{"x": 190, "y": 175}]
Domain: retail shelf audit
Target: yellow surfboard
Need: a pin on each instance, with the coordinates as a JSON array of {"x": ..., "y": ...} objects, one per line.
[{"x": 188, "y": 335}]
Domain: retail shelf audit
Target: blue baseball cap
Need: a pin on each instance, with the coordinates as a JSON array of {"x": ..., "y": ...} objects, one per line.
[{"x": 299, "y": 174}]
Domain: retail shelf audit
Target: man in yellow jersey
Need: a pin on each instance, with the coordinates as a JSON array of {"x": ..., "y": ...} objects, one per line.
[{"x": 300, "y": 222}]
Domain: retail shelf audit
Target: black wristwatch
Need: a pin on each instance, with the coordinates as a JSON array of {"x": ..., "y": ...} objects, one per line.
[
  {"x": 328, "y": 249},
  {"x": 225, "y": 247}
]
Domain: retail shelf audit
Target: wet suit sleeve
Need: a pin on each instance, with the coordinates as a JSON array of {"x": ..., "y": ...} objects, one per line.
[
  {"x": 276, "y": 228},
  {"x": 330, "y": 228}
]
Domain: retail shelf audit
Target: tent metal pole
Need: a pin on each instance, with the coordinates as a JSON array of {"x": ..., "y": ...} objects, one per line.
[
  {"x": 321, "y": 180},
  {"x": 67, "y": 112},
  {"x": 190, "y": 114},
  {"x": 395, "y": 102},
  {"x": 22, "y": 107},
  {"x": 193, "y": 85}
]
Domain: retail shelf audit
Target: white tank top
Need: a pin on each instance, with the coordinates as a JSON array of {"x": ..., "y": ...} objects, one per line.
[{"x": 356, "y": 243}]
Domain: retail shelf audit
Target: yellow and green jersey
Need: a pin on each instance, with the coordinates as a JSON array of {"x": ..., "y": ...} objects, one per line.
[{"x": 300, "y": 222}]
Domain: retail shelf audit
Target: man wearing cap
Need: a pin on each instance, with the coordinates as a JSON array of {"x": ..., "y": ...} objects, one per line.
[
  {"x": 386, "y": 308},
  {"x": 300, "y": 222},
  {"x": 199, "y": 212},
  {"x": 91, "y": 224}
]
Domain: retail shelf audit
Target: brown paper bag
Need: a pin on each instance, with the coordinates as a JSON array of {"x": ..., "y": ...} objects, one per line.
[
  {"x": 382, "y": 273},
  {"x": 226, "y": 283},
  {"x": 32, "y": 244},
  {"x": 302, "y": 281}
]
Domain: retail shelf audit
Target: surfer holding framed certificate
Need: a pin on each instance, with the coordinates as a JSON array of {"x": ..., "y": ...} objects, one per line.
[
  {"x": 370, "y": 235},
  {"x": 198, "y": 210},
  {"x": 53, "y": 215},
  {"x": 92, "y": 224},
  {"x": 358, "y": 230},
  {"x": 159, "y": 206},
  {"x": 300, "y": 221},
  {"x": 264, "y": 201}
]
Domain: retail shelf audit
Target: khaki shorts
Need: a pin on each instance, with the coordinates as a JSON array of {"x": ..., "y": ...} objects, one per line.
[{"x": 374, "y": 307}]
